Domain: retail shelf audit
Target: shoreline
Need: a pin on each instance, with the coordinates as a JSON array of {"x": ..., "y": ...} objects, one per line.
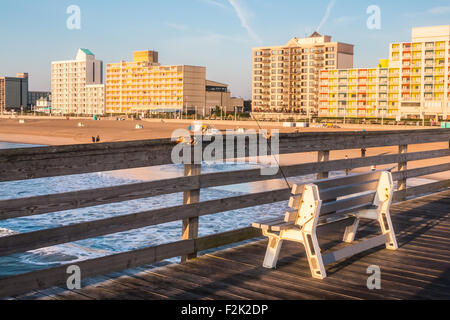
[
  {"x": 67, "y": 132},
  {"x": 37, "y": 140}
]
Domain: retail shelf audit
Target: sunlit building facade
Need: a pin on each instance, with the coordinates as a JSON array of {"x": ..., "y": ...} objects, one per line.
[
  {"x": 413, "y": 83},
  {"x": 14, "y": 92},
  {"x": 77, "y": 85},
  {"x": 286, "y": 78},
  {"x": 145, "y": 86}
]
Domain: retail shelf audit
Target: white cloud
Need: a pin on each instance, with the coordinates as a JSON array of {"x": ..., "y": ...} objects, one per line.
[
  {"x": 216, "y": 3},
  {"x": 439, "y": 10},
  {"x": 347, "y": 19},
  {"x": 327, "y": 15},
  {"x": 176, "y": 26},
  {"x": 244, "y": 16}
]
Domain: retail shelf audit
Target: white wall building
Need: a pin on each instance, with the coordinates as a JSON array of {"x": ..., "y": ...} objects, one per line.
[
  {"x": 44, "y": 105},
  {"x": 77, "y": 85}
]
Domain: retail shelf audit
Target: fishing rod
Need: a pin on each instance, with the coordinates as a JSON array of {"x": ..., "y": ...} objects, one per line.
[{"x": 268, "y": 137}]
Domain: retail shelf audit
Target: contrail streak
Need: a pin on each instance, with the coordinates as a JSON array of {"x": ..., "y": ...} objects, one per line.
[{"x": 327, "y": 14}]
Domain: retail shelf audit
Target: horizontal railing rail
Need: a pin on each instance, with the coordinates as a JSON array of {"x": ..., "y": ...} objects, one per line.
[
  {"x": 21, "y": 164},
  {"x": 15, "y": 208},
  {"x": 18, "y": 164}
]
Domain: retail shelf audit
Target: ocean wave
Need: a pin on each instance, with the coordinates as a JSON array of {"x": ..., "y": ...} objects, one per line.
[{"x": 6, "y": 232}]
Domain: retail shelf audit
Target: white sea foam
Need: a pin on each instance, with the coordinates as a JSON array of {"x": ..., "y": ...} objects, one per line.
[{"x": 6, "y": 232}]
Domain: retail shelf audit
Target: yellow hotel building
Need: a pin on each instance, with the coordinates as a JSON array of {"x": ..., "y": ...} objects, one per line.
[
  {"x": 144, "y": 85},
  {"x": 413, "y": 83}
]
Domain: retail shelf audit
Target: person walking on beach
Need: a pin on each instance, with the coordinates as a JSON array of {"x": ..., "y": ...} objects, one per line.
[
  {"x": 97, "y": 140},
  {"x": 93, "y": 139}
]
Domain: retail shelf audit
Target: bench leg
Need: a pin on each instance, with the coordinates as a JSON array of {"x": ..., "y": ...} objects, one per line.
[
  {"x": 387, "y": 228},
  {"x": 350, "y": 232},
  {"x": 314, "y": 256},
  {"x": 383, "y": 199},
  {"x": 272, "y": 253}
]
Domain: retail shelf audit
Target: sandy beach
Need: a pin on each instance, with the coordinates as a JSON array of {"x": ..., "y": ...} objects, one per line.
[{"x": 64, "y": 132}]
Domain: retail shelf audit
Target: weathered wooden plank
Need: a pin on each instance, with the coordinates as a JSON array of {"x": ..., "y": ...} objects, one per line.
[
  {"x": 189, "y": 228},
  {"x": 353, "y": 272},
  {"x": 80, "y": 199},
  {"x": 213, "y": 286},
  {"x": 49, "y": 237},
  {"x": 31, "y": 206},
  {"x": 251, "y": 257},
  {"x": 226, "y": 238},
  {"x": 334, "y": 193},
  {"x": 348, "y": 180},
  {"x": 18, "y": 164},
  {"x": 354, "y": 249},
  {"x": 228, "y": 270},
  {"x": 352, "y": 202},
  {"x": 322, "y": 141},
  {"x": 323, "y": 156},
  {"x": 56, "y": 276},
  {"x": 423, "y": 189},
  {"x": 402, "y": 166},
  {"x": 259, "y": 224},
  {"x": 419, "y": 172}
]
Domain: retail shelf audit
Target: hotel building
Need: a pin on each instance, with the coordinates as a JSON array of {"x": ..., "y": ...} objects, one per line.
[
  {"x": 77, "y": 85},
  {"x": 14, "y": 92},
  {"x": 144, "y": 85},
  {"x": 413, "y": 83},
  {"x": 286, "y": 78}
]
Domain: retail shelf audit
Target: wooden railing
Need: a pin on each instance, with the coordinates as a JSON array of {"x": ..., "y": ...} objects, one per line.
[{"x": 21, "y": 164}]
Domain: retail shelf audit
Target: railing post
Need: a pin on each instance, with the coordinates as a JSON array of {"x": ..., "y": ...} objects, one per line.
[
  {"x": 323, "y": 156},
  {"x": 190, "y": 225},
  {"x": 402, "y": 166}
]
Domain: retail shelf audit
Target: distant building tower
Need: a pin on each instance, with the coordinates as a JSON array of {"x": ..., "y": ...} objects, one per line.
[
  {"x": 143, "y": 85},
  {"x": 77, "y": 85},
  {"x": 14, "y": 92},
  {"x": 413, "y": 83},
  {"x": 286, "y": 78}
]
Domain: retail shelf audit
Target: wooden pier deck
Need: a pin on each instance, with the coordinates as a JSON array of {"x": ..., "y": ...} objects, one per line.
[{"x": 420, "y": 269}]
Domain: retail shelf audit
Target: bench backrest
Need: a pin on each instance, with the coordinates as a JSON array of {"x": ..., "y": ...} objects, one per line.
[{"x": 341, "y": 194}]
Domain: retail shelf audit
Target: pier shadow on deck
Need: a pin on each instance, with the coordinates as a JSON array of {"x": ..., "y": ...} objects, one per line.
[{"x": 420, "y": 269}]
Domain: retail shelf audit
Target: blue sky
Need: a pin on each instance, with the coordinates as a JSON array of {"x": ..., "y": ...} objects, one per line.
[{"x": 218, "y": 34}]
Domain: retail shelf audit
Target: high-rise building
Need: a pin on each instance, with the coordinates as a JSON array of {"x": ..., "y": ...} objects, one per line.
[
  {"x": 413, "y": 83},
  {"x": 286, "y": 78},
  {"x": 144, "y": 85},
  {"x": 14, "y": 92},
  {"x": 77, "y": 85}
]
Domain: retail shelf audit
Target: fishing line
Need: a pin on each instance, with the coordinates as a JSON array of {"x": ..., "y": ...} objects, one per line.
[{"x": 270, "y": 150}]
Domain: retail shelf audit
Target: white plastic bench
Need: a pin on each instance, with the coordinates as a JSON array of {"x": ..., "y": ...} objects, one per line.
[{"x": 362, "y": 196}]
